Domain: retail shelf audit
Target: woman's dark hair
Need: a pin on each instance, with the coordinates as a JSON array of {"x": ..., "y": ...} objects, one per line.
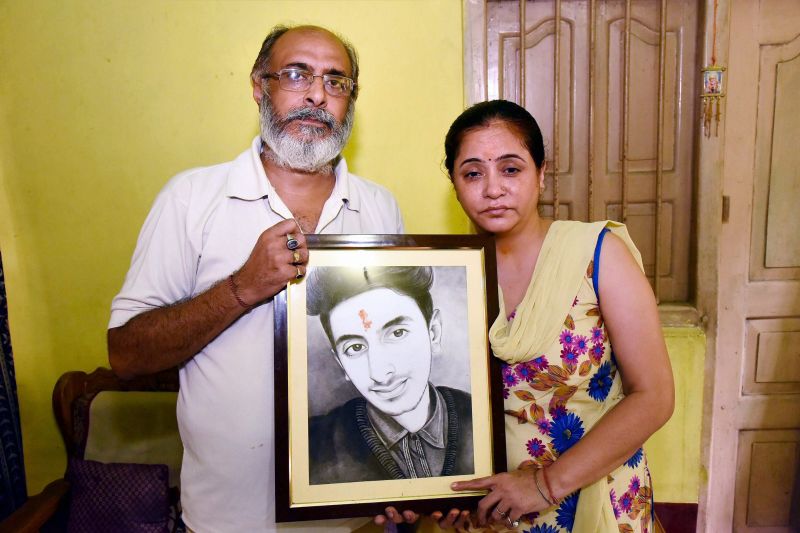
[
  {"x": 327, "y": 287},
  {"x": 482, "y": 115}
]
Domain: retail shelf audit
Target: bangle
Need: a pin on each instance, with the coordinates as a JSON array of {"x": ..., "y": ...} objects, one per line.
[
  {"x": 547, "y": 485},
  {"x": 235, "y": 291},
  {"x": 539, "y": 488}
]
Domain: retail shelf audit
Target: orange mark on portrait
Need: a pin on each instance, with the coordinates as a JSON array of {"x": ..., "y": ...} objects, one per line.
[{"x": 365, "y": 319}]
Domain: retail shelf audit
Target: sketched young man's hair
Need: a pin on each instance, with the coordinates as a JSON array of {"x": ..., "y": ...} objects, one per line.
[{"x": 327, "y": 287}]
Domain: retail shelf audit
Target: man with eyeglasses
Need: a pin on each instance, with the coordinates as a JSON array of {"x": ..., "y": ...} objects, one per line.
[{"x": 218, "y": 244}]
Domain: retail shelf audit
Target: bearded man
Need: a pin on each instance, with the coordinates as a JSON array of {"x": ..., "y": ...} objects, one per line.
[{"x": 218, "y": 244}]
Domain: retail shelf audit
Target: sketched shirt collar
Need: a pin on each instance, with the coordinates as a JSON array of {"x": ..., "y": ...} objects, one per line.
[{"x": 392, "y": 432}]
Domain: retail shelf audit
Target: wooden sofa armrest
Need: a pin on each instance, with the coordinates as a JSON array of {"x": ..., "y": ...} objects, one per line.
[
  {"x": 72, "y": 398},
  {"x": 74, "y": 392},
  {"x": 37, "y": 509}
]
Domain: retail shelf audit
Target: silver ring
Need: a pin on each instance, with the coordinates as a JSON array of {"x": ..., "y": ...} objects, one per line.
[
  {"x": 513, "y": 524},
  {"x": 501, "y": 513},
  {"x": 291, "y": 242}
]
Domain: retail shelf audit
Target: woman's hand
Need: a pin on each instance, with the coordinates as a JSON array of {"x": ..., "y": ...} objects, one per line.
[{"x": 511, "y": 495}]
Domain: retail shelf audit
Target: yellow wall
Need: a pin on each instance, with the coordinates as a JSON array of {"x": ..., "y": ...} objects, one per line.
[
  {"x": 102, "y": 101},
  {"x": 673, "y": 452}
]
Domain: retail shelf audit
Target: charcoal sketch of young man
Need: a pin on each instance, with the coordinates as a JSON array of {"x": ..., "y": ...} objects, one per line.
[{"x": 384, "y": 333}]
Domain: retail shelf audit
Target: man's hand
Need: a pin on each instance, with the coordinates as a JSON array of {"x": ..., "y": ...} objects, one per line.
[
  {"x": 167, "y": 336},
  {"x": 394, "y": 517},
  {"x": 272, "y": 264},
  {"x": 455, "y": 519}
]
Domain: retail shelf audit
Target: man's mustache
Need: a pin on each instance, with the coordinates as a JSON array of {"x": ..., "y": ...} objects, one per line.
[{"x": 304, "y": 113}]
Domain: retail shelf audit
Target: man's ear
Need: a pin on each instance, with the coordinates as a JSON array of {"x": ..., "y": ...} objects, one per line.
[
  {"x": 258, "y": 89},
  {"x": 336, "y": 358},
  {"x": 435, "y": 332}
]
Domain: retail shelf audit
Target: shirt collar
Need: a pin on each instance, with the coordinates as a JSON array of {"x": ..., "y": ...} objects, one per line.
[
  {"x": 248, "y": 181},
  {"x": 391, "y": 432}
]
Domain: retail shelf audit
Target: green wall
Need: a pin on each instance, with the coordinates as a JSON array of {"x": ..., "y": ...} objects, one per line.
[{"x": 102, "y": 101}]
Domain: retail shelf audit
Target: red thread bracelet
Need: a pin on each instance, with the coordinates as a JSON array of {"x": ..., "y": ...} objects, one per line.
[{"x": 235, "y": 291}]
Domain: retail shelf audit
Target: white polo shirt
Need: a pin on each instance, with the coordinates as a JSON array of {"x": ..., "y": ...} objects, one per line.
[{"x": 202, "y": 227}]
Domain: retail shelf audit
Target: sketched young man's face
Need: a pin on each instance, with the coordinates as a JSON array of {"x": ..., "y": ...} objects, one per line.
[{"x": 385, "y": 347}]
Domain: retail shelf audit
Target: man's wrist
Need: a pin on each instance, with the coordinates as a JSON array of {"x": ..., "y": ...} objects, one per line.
[{"x": 234, "y": 289}]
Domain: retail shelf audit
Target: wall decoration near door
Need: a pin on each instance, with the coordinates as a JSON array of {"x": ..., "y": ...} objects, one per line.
[{"x": 713, "y": 88}]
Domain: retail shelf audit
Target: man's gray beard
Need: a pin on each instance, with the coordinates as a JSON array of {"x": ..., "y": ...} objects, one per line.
[{"x": 312, "y": 153}]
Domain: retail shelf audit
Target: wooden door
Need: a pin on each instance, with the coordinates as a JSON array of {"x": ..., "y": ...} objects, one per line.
[
  {"x": 755, "y": 418},
  {"x": 605, "y": 114}
]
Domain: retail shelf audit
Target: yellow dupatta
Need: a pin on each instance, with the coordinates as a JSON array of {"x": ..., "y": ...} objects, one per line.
[{"x": 566, "y": 251}]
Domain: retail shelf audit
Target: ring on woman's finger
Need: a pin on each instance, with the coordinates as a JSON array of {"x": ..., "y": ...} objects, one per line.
[
  {"x": 295, "y": 257},
  {"x": 513, "y": 524},
  {"x": 291, "y": 242},
  {"x": 299, "y": 274},
  {"x": 502, "y": 514}
]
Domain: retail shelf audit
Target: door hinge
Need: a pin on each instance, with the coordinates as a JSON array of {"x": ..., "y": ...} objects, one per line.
[{"x": 726, "y": 208}]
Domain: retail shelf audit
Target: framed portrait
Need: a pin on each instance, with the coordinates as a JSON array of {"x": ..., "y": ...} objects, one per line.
[{"x": 384, "y": 376}]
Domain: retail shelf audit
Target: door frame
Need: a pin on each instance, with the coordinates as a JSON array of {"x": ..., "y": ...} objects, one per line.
[{"x": 716, "y": 491}]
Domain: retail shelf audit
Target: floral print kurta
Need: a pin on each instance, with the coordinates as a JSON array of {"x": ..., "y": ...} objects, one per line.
[{"x": 551, "y": 402}]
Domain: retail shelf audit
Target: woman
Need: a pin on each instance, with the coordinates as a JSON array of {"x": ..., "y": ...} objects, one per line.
[{"x": 587, "y": 378}]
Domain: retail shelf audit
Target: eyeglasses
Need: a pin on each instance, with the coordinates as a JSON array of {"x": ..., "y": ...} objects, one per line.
[{"x": 297, "y": 79}]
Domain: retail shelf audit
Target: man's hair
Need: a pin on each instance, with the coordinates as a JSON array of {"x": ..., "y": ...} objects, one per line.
[
  {"x": 261, "y": 65},
  {"x": 327, "y": 287}
]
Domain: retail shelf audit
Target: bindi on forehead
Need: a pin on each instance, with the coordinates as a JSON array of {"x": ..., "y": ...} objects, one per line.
[{"x": 365, "y": 321}]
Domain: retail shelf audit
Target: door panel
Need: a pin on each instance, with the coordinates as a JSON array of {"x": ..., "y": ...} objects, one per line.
[
  {"x": 776, "y": 239},
  {"x": 772, "y": 356},
  {"x": 768, "y": 462},
  {"x": 644, "y": 82},
  {"x": 756, "y": 407}
]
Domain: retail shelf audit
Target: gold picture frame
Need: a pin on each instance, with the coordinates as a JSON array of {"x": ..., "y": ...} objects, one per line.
[
  {"x": 318, "y": 476},
  {"x": 713, "y": 81}
]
